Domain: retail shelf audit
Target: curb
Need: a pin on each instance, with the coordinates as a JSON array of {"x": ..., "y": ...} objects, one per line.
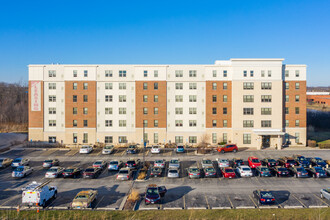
[
  {"x": 268, "y": 207},
  {"x": 293, "y": 207},
  {"x": 173, "y": 208},
  {"x": 122, "y": 204},
  {"x": 150, "y": 208},
  {"x": 317, "y": 206},
  {"x": 107, "y": 209},
  {"x": 196, "y": 208},
  {"x": 245, "y": 207},
  {"x": 226, "y": 207}
]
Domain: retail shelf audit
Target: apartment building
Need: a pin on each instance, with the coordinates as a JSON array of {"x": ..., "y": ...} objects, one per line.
[{"x": 251, "y": 102}]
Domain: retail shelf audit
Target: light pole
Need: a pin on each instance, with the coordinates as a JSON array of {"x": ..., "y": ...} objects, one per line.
[{"x": 144, "y": 144}]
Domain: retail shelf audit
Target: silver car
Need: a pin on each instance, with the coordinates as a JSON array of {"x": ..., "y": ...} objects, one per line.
[
  {"x": 174, "y": 163},
  {"x": 173, "y": 173},
  {"x": 108, "y": 149},
  {"x": 54, "y": 172},
  {"x": 20, "y": 162},
  {"x": 124, "y": 174},
  {"x": 325, "y": 193},
  {"x": 159, "y": 163},
  {"x": 115, "y": 165},
  {"x": 21, "y": 171},
  {"x": 50, "y": 162},
  {"x": 223, "y": 162},
  {"x": 207, "y": 163}
]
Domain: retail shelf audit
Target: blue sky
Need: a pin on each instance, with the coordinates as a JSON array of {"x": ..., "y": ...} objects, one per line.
[{"x": 167, "y": 32}]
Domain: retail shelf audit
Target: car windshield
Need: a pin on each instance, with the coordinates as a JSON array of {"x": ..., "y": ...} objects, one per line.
[
  {"x": 131, "y": 162},
  {"x": 158, "y": 161},
  {"x": 123, "y": 171},
  {"x": 223, "y": 161},
  {"x": 98, "y": 162},
  {"x": 85, "y": 147},
  {"x": 319, "y": 160},
  {"x": 194, "y": 170},
  {"x": 1, "y": 160},
  {"x": 108, "y": 147},
  {"x": 89, "y": 170},
  {"x": 318, "y": 169},
  {"x": 113, "y": 162},
  {"x": 207, "y": 161},
  {"x": 156, "y": 169},
  {"x": 239, "y": 161},
  {"x": 48, "y": 161},
  {"x": 229, "y": 171},
  {"x": 266, "y": 194},
  {"x": 131, "y": 146},
  {"x": 300, "y": 169},
  {"x": 301, "y": 158},
  {"x": 246, "y": 169},
  {"x": 290, "y": 161},
  {"x": 17, "y": 160},
  {"x": 282, "y": 169},
  {"x": 52, "y": 170},
  {"x": 255, "y": 160},
  {"x": 271, "y": 161},
  {"x": 68, "y": 170},
  {"x": 19, "y": 169},
  {"x": 81, "y": 197},
  {"x": 155, "y": 147},
  {"x": 180, "y": 146},
  {"x": 174, "y": 161},
  {"x": 173, "y": 171},
  {"x": 152, "y": 191},
  {"x": 209, "y": 170},
  {"x": 264, "y": 169}
]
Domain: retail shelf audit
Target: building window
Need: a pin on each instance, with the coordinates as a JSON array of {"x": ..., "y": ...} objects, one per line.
[
  {"x": 145, "y": 111},
  {"x": 85, "y": 123},
  {"x": 85, "y": 138},
  {"x": 225, "y": 98},
  {"x": 269, "y": 73},
  {"x": 248, "y": 85},
  {"x": 297, "y": 73},
  {"x": 155, "y": 123},
  {"x": 178, "y": 98},
  {"x": 297, "y": 98},
  {"x": 122, "y": 73},
  {"x": 52, "y": 98},
  {"x": 251, "y": 73},
  {"x": 214, "y": 98},
  {"x": 52, "y": 139},
  {"x": 75, "y": 73},
  {"x": 178, "y": 123},
  {"x": 192, "y": 86},
  {"x": 145, "y": 98},
  {"x": 85, "y": 73},
  {"x": 155, "y": 138},
  {"x": 108, "y": 123},
  {"x": 122, "y": 139},
  {"x": 266, "y": 98},
  {"x": 286, "y": 98},
  {"x": 192, "y": 139},
  {"x": 145, "y": 137},
  {"x": 108, "y": 111},
  {"x": 214, "y": 138},
  {"x": 192, "y": 123},
  {"x": 214, "y": 86},
  {"x": 122, "y": 123},
  {"x": 214, "y": 73},
  {"x": 286, "y": 86},
  {"x": 266, "y": 85},
  {"x": 247, "y": 111},
  {"x": 248, "y": 98},
  {"x": 178, "y": 73},
  {"x": 246, "y": 138},
  {"x": 245, "y": 73},
  {"x": 262, "y": 73},
  {"x": 179, "y": 86},
  {"x": 145, "y": 73},
  {"x": 225, "y": 73},
  {"x": 178, "y": 139},
  {"x": 85, "y": 98},
  {"x": 145, "y": 123},
  {"x": 266, "y": 124},
  {"x": 122, "y": 111},
  {"x": 286, "y": 73},
  {"x": 74, "y": 123},
  {"x": 192, "y": 98},
  {"x": 155, "y": 86},
  {"x": 52, "y": 123},
  {"x": 225, "y": 86},
  {"x": 192, "y": 73},
  {"x": 85, "y": 86},
  {"x": 224, "y": 111},
  {"x": 75, "y": 138},
  {"x": 224, "y": 137},
  {"x": 297, "y": 86},
  {"x": 52, "y": 111},
  {"x": 108, "y": 98},
  {"x": 155, "y": 111},
  {"x": 122, "y": 98},
  {"x": 225, "y": 123},
  {"x": 286, "y": 123},
  {"x": 297, "y": 139},
  {"x": 155, "y": 98},
  {"x": 145, "y": 86},
  {"x": 75, "y": 86},
  {"x": 122, "y": 86},
  {"x": 214, "y": 111},
  {"x": 52, "y": 85},
  {"x": 266, "y": 111},
  {"x": 297, "y": 110},
  {"x": 108, "y": 73},
  {"x": 214, "y": 123},
  {"x": 248, "y": 123},
  {"x": 155, "y": 73},
  {"x": 108, "y": 139},
  {"x": 75, "y": 111},
  {"x": 51, "y": 73},
  {"x": 192, "y": 111},
  {"x": 74, "y": 98},
  {"x": 178, "y": 111},
  {"x": 286, "y": 110},
  {"x": 108, "y": 86},
  {"x": 297, "y": 123}
]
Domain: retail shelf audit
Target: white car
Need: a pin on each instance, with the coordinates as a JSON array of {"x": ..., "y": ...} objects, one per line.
[
  {"x": 159, "y": 163},
  {"x": 54, "y": 172},
  {"x": 108, "y": 149},
  {"x": 38, "y": 193},
  {"x": 173, "y": 173},
  {"x": 155, "y": 149},
  {"x": 174, "y": 163},
  {"x": 244, "y": 171},
  {"x": 325, "y": 193},
  {"x": 223, "y": 162},
  {"x": 20, "y": 162},
  {"x": 21, "y": 171},
  {"x": 86, "y": 149}
]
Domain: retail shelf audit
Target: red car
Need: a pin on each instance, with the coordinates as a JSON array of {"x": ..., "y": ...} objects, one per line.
[
  {"x": 227, "y": 148},
  {"x": 228, "y": 172},
  {"x": 254, "y": 162}
]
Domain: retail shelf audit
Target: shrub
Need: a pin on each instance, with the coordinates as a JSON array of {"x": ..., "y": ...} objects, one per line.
[
  {"x": 311, "y": 143},
  {"x": 324, "y": 146},
  {"x": 134, "y": 195}
]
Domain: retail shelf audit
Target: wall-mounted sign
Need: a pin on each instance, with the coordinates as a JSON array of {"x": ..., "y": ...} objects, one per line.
[{"x": 35, "y": 96}]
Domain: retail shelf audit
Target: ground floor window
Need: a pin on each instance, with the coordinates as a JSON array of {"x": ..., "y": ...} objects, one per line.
[
  {"x": 85, "y": 140},
  {"x": 214, "y": 138},
  {"x": 246, "y": 138},
  {"x": 155, "y": 138},
  {"x": 108, "y": 139},
  {"x": 297, "y": 135},
  {"x": 192, "y": 139},
  {"x": 145, "y": 137},
  {"x": 178, "y": 139},
  {"x": 52, "y": 139},
  {"x": 122, "y": 139},
  {"x": 75, "y": 138},
  {"x": 224, "y": 137},
  {"x": 287, "y": 139}
]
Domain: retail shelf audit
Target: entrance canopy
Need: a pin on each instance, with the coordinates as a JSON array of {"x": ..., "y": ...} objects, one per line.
[{"x": 268, "y": 132}]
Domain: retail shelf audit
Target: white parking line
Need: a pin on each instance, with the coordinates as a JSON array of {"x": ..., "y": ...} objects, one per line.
[{"x": 99, "y": 201}]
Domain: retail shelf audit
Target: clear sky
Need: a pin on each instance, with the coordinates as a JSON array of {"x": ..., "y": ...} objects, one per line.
[{"x": 163, "y": 32}]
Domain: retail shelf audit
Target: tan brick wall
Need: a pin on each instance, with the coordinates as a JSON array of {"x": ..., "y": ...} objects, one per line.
[
  {"x": 219, "y": 104},
  {"x": 292, "y": 104},
  {"x": 80, "y": 104},
  {"x": 161, "y": 104},
  {"x": 36, "y": 118}
]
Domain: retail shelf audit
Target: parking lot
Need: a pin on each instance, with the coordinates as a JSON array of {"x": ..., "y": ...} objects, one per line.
[{"x": 183, "y": 193}]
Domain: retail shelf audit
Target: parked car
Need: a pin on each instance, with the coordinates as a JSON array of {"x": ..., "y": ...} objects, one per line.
[
  {"x": 154, "y": 194},
  {"x": 222, "y": 162},
  {"x": 92, "y": 172},
  {"x": 5, "y": 162},
  {"x": 133, "y": 164},
  {"x": 316, "y": 172},
  {"x": 193, "y": 173},
  {"x": 102, "y": 164},
  {"x": 325, "y": 193},
  {"x": 228, "y": 172},
  {"x": 263, "y": 171},
  {"x": 86, "y": 149},
  {"x": 298, "y": 171},
  {"x": 38, "y": 193},
  {"x": 269, "y": 162},
  {"x": 132, "y": 149},
  {"x": 209, "y": 172},
  {"x": 317, "y": 161},
  {"x": 50, "y": 162},
  {"x": 20, "y": 162},
  {"x": 254, "y": 162},
  {"x": 84, "y": 199},
  {"x": 327, "y": 170},
  {"x": 280, "y": 171},
  {"x": 156, "y": 172},
  {"x": 54, "y": 172},
  {"x": 244, "y": 171},
  {"x": 264, "y": 197},
  {"x": 159, "y": 163},
  {"x": 301, "y": 160},
  {"x": 115, "y": 165},
  {"x": 124, "y": 174},
  {"x": 108, "y": 149},
  {"x": 180, "y": 149},
  {"x": 235, "y": 162},
  {"x": 21, "y": 171},
  {"x": 227, "y": 148},
  {"x": 174, "y": 163},
  {"x": 71, "y": 172},
  {"x": 173, "y": 172},
  {"x": 155, "y": 149},
  {"x": 206, "y": 163},
  {"x": 287, "y": 162}
]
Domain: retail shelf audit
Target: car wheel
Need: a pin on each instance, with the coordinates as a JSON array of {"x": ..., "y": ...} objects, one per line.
[
  {"x": 44, "y": 203},
  {"x": 55, "y": 195},
  {"x": 296, "y": 175},
  {"x": 235, "y": 151},
  {"x": 222, "y": 151},
  {"x": 321, "y": 196},
  {"x": 314, "y": 175}
]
